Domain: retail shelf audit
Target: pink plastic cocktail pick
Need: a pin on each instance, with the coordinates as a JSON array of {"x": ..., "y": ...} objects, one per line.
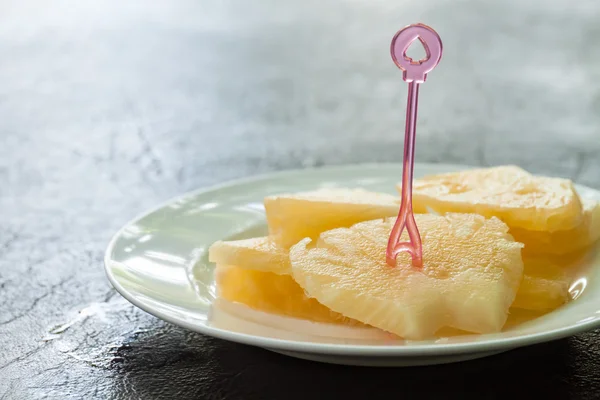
[{"x": 415, "y": 73}]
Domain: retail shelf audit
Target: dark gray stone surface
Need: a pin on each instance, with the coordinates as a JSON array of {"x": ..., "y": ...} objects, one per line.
[{"x": 108, "y": 108}]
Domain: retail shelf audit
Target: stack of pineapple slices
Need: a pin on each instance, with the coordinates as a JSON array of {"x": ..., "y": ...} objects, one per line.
[{"x": 324, "y": 259}]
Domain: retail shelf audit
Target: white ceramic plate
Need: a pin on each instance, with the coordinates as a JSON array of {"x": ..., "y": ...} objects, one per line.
[{"x": 159, "y": 263}]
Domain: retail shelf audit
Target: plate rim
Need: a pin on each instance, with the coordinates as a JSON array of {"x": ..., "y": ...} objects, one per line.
[{"x": 408, "y": 350}]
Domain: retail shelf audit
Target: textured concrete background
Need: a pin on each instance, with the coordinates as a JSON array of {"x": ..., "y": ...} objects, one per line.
[{"x": 109, "y": 107}]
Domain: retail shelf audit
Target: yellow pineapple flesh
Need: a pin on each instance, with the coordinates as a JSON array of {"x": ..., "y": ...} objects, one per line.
[
  {"x": 510, "y": 193},
  {"x": 256, "y": 271},
  {"x": 563, "y": 241},
  {"x": 293, "y": 217},
  {"x": 259, "y": 254},
  {"x": 269, "y": 292},
  {"x": 544, "y": 286},
  {"x": 471, "y": 273},
  {"x": 546, "y": 280}
]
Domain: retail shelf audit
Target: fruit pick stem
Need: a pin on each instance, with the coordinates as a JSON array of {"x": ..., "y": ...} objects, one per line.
[{"x": 414, "y": 73}]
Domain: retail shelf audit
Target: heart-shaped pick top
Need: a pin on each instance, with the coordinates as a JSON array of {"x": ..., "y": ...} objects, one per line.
[{"x": 416, "y": 71}]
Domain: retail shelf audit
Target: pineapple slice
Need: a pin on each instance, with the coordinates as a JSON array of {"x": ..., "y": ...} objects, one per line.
[
  {"x": 281, "y": 295},
  {"x": 543, "y": 292},
  {"x": 546, "y": 281},
  {"x": 269, "y": 292},
  {"x": 471, "y": 273},
  {"x": 259, "y": 254},
  {"x": 292, "y": 217},
  {"x": 563, "y": 241},
  {"x": 510, "y": 193},
  {"x": 544, "y": 286}
]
